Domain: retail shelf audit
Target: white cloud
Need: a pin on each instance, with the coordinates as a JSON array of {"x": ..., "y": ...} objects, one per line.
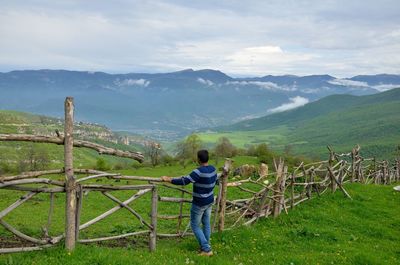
[
  {"x": 205, "y": 81},
  {"x": 262, "y": 85},
  {"x": 342, "y": 38},
  {"x": 132, "y": 82},
  {"x": 385, "y": 87},
  {"x": 348, "y": 83},
  {"x": 294, "y": 103},
  {"x": 262, "y": 59}
]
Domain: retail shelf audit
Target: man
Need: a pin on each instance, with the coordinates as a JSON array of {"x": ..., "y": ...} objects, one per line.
[{"x": 204, "y": 179}]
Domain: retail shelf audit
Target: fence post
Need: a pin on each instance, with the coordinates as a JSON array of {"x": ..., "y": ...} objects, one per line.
[
  {"x": 70, "y": 189},
  {"x": 292, "y": 180},
  {"x": 354, "y": 159},
  {"x": 153, "y": 232},
  {"x": 278, "y": 189},
  {"x": 79, "y": 202},
  {"x": 222, "y": 201}
]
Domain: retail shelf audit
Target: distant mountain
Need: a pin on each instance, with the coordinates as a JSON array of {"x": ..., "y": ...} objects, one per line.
[
  {"x": 342, "y": 121},
  {"x": 170, "y": 105}
]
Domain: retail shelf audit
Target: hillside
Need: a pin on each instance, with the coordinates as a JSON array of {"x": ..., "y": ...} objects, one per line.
[
  {"x": 372, "y": 121},
  {"x": 327, "y": 230},
  {"x": 14, "y": 153},
  {"x": 168, "y": 106}
]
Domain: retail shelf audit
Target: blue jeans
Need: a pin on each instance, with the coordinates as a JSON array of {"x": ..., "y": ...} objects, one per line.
[{"x": 201, "y": 214}]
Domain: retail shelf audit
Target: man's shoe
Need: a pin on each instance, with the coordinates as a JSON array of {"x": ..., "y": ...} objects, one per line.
[{"x": 207, "y": 254}]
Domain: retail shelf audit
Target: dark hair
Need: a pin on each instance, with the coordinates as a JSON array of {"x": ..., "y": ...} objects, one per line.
[{"x": 202, "y": 155}]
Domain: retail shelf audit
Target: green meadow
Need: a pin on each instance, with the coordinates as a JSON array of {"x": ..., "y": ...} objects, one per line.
[
  {"x": 274, "y": 137},
  {"x": 330, "y": 229}
]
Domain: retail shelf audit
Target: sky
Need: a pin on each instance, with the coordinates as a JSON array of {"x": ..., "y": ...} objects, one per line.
[{"x": 240, "y": 38}]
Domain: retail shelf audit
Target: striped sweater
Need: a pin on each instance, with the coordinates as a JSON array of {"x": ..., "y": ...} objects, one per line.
[{"x": 204, "y": 179}]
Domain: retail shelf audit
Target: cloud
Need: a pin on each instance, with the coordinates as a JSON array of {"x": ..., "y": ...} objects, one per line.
[
  {"x": 205, "y": 81},
  {"x": 385, "y": 87},
  {"x": 360, "y": 84},
  {"x": 342, "y": 38},
  {"x": 348, "y": 83},
  {"x": 261, "y": 59},
  {"x": 262, "y": 85},
  {"x": 294, "y": 103},
  {"x": 132, "y": 82}
]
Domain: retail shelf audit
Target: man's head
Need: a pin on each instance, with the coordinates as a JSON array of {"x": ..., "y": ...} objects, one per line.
[{"x": 202, "y": 156}]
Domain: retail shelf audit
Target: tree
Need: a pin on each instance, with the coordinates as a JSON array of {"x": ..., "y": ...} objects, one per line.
[
  {"x": 34, "y": 158},
  {"x": 194, "y": 143},
  {"x": 189, "y": 147},
  {"x": 153, "y": 151},
  {"x": 101, "y": 164},
  {"x": 261, "y": 151},
  {"x": 167, "y": 160},
  {"x": 224, "y": 148}
]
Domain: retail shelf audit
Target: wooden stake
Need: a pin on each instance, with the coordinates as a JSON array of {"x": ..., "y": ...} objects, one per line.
[
  {"x": 180, "y": 214},
  {"x": 153, "y": 231},
  {"x": 292, "y": 191},
  {"x": 224, "y": 183},
  {"x": 70, "y": 189}
]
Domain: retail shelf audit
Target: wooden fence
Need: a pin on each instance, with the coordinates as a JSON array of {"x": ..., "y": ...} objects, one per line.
[{"x": 263, "y": 194}]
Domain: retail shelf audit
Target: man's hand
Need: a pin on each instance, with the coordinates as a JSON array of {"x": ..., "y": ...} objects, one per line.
[{"x": 166, "y": 179}]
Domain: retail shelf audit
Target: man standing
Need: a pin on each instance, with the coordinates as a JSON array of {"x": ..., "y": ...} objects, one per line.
[{"x": 204, "y": 179}]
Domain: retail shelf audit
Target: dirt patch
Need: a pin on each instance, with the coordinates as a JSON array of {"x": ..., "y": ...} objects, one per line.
[
  {"x": 14, "y": 242},
  {"x": 123, "y": 243}
]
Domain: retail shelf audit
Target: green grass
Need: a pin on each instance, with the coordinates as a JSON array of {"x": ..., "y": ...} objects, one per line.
[
  {"x": 326, "y": 230},
  {"x": 276, "y": 136}
]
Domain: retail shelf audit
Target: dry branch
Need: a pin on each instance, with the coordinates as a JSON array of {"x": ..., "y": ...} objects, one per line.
[
  {"x": 114, "y": 209},
  {"x": 16, "y": 204},
  {"x": 36, "y": 190},
  {"x": 102, "y": 175},
  {"x": 171, "y": 217},
  {"x": 173, "y": 199},
  {"x": 142, "y": 221},
  {"x": 20, "y": 234},
  {"x": 31, "y": 174},
  {"x": 174, "y": 188},
  {"x": 23, "y": 249},
  {"x": 138, "y": 178},
  {"x": 77, "y": 143},
  {"x": 100, "y": 187},
  {"x": 32, "y": 181},
  {"x": 113, "y": 237}
]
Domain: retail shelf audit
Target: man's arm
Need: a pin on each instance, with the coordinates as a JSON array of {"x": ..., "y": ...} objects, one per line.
[
  {"x": 166, "y": 179},
  {"x": 185, "y": 180}
]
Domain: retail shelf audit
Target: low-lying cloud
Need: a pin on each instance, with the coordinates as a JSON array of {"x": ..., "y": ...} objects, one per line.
[
  {"x": 385, "y": 87},
  {"x": 132, "y": 82},
  {"x": 295, "y": 102},
  {"x": 348, "y": 83},
  {"x": 262, "y": 85},
  {"x": 205, "y": 81}
]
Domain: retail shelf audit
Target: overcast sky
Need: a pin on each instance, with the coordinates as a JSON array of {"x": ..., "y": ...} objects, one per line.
[{"x": 240, "y": 38}]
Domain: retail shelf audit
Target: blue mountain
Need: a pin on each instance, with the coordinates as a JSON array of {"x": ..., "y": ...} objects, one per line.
[{"x": 169, "y": 105}]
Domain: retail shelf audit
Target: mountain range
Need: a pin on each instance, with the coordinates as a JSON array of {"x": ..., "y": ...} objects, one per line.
[
  {"x": 167, "y": 106},
  {"x": 342, "y": 121}
]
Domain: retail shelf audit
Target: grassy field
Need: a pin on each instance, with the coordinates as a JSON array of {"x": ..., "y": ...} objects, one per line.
[
  {"x": 326, "y": 230},
  {"x": 242, "y": 139}
]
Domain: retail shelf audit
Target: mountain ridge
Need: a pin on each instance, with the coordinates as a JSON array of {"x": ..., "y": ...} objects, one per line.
[
  {"x": 373, "y": 121},
  {"x": 167, "y": 106}
]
